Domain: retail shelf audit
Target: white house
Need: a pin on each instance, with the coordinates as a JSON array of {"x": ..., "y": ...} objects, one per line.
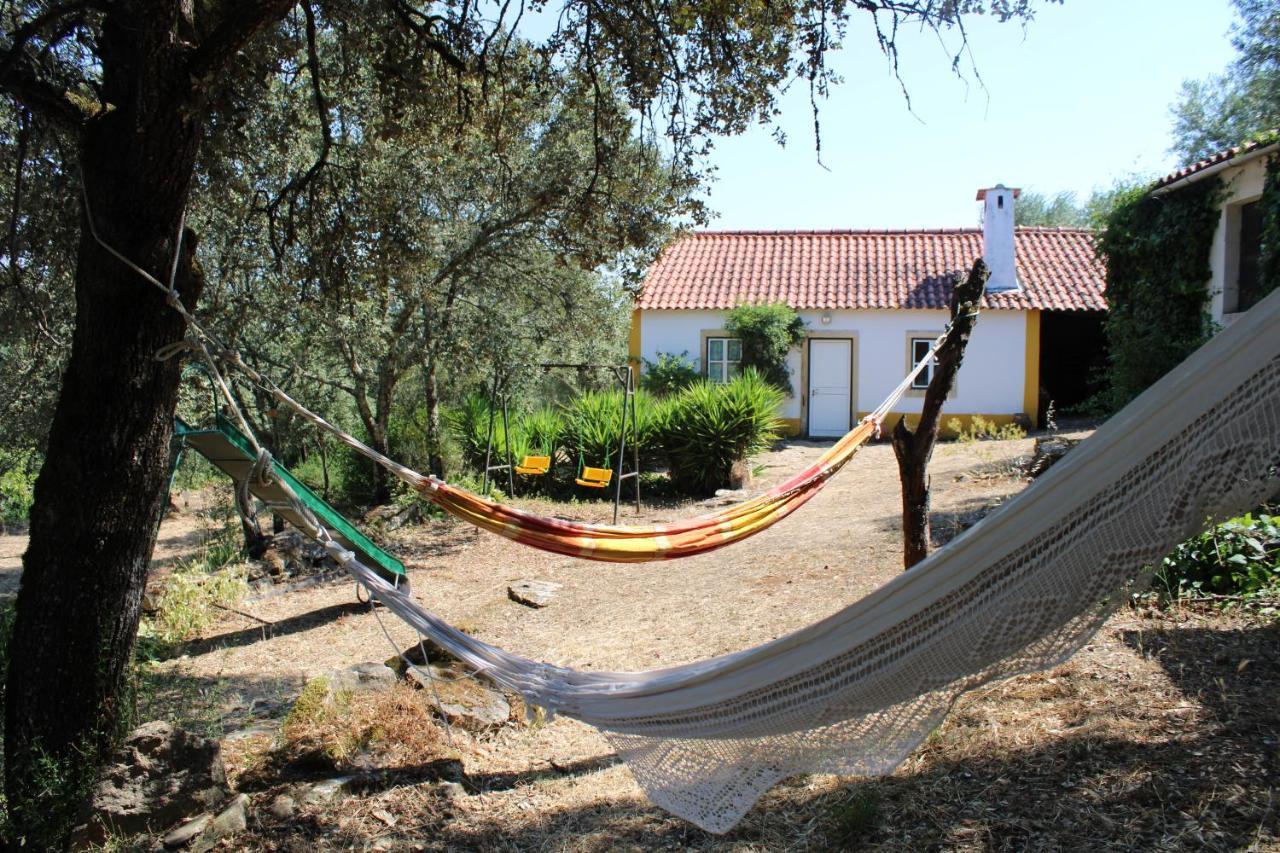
[
  {"x": 872, "y": 302},
  {"x": 1233, "y": 258}
]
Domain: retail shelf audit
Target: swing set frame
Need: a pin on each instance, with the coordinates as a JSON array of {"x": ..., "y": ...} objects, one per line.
[{"x": 499, "y": 396}]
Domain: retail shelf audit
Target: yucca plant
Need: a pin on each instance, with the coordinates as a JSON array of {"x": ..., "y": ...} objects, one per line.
[
  {"x": 592, "y": 421},
  {"x": 543, "y": 430},
  {"x": 708, "y": 428},
  {"x": 469, "y": 424}
]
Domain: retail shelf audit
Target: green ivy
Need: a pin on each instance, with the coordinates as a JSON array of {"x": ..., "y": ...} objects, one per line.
[
  {"x": 1269, "y": 265},
  {"x": 1239, "y": 557},
  {"x": 767, "y": 332},
  {"x": 1156, "y": 250}
]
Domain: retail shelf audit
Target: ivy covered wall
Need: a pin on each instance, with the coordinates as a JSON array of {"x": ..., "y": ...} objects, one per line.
[
  {"x": 1269, "y": 263},
  {"x": 1156, "y": 250}
]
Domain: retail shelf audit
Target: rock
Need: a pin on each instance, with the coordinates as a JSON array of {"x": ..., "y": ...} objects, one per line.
[
  {"x": 532, "y": 593},
  {"x": 160, "y": 776},
  {"x": 393, "y": 517},
  {"x": 1048, "y": 450},
  {"x": 183, "y": 834},
  {"x": 481, "y": 710},
  {"x": 283, "y": 806},
  {"x": 435, "y": 653},
  {"x": 328, "y": 790},
  {"x": 234, "y": 818},
  {"x": 462, "y": 701},
  {"x": 370, "y": 676},
  {"x": 451, "y": 790},
  {"x": 735, "y": 494}
]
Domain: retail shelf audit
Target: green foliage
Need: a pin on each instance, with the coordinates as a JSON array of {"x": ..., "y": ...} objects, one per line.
[
  {"x": 1058, "y": 210},
  {"x": 468, "y": 422},
  {"x": 1157, "y": 254},
  {"x": 542, "y": 430},
  {"x": 981, "y": 429},
  {"x": 768, "y": 332},
  {"x": 192, "y": 592},
  {"x": 853, "y": 818},
  {"x": 18, "y": 470},
  {"x": 1233, "y": 107},
  {"x": 1269, "y": 262},
  {"x": 708, "y": 428},
  {"x": 669, "y": 374},
  {"x": 593, "y": 420},
  {"x": 1238, "y": 557}
]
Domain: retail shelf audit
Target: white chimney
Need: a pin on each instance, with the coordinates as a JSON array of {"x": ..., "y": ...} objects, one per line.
[{"x": 997, "y": 236}]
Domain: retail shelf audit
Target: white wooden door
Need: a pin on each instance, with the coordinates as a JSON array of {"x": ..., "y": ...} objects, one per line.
[{"x": 829, "y": 386}]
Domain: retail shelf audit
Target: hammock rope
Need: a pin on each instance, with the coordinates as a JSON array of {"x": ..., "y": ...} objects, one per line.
[
  {"x": 601, "y": 542},
  {"x": 1020, "y": 591}
]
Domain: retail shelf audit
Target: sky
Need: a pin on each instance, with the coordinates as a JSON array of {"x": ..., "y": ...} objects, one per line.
[{"x": 1075, "y": 101}]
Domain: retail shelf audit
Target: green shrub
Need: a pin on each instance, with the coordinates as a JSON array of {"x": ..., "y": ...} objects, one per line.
[
  {"x": 669, "y": 374},
  {"x": 542, "y": 430},
  {"x": 469, "y": 424},
  {"x": 1156, "y": 250},
  {"x": 708, "y": 428},
  {"x": 981, "y": 429},
  {"x": 767, "y": 332},
  {"x": 18, "y": 470},
  {"x": 592, "y": 422},
  {"x": 1238, "y": 557}
]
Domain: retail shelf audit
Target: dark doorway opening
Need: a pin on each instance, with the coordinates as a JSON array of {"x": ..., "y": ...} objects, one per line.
[{"x": 1073, "y": 355}]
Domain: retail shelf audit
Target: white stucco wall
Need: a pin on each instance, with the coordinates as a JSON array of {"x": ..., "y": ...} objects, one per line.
[
  {"x": 991, "y": 380},
  {"x": 1243, "y": 184}
]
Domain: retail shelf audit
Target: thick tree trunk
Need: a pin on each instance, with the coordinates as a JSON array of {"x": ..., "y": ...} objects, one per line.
[
  {"x": 914, "y": 449},
  {"x": 100, "y": 494}
]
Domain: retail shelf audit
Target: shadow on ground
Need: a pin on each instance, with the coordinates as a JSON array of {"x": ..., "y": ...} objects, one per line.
[{"x": 1082, "y": 787}]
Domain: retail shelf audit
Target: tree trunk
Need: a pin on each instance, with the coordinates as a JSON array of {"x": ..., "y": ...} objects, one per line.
[
  {"x": 100, "y": 495},
  {"x": 435, "y": 457},
  {"x": 914, "y": 449}
]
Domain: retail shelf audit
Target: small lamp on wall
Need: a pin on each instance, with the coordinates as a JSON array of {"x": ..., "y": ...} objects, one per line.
[{"x": 826, "y": 318}]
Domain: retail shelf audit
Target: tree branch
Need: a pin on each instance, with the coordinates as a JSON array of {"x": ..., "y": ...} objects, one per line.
[
  {"x": 58, "y": 105},
  {"x": 914, "y": 449},
  {"x": 240, "y": 23}
]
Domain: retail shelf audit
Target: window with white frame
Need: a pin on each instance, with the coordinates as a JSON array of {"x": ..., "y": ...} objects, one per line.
[
  {"x": 919, "y": 351},
  {"x": 724, "y": 359}
]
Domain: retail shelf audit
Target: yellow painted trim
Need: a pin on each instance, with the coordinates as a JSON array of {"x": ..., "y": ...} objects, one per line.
[
  {"x": 633, "y": 344},
  {"x": 1031, "y": 379},
  {"x": 966, "y": 421},
  {"x": 790, "y": 426}
]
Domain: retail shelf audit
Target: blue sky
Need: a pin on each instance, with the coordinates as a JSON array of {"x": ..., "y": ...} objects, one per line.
[{"x": 1075, "y": 101}]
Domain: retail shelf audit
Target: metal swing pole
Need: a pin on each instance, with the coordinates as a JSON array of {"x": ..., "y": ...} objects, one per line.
[
  {"x": 635, "y": 432},
  {"x": 627, "y": 381},
  {"x": 488, "y": 445},
  {"x": 506, "y": 440}
]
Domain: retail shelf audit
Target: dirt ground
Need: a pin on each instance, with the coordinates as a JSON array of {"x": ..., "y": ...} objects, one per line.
[{"x": 1160, "y": 734}]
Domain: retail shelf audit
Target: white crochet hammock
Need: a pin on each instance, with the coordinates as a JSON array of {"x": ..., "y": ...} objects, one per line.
[{"x": 1020, "y": 591}]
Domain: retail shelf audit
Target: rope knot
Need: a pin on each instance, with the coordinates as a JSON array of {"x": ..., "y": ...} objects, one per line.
[{"x": 262, "y": 471}]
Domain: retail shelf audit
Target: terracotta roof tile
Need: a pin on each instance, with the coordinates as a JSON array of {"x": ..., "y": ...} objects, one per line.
[
  {"x": 867, "y": 269},
  {"x": 1214, "y": 159}
]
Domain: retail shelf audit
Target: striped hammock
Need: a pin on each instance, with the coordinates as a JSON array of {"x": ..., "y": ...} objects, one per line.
[{"x": 641, "y": 543}]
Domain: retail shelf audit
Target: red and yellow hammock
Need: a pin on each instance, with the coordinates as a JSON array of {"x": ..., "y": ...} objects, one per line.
[{"x": 641, "y": 543}]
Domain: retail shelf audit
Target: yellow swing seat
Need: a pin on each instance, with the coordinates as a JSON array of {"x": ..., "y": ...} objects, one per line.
[
  {"x": 534, "y": 466},
  {"x": 594, "y": 478}
]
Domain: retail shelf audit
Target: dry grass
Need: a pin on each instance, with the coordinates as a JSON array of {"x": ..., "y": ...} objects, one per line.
[{"x": 1159, "y": 735}]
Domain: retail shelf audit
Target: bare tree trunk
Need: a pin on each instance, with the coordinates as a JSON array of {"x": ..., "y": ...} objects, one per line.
[
  {"x": 435, "y": 456},
  {"x": 914, "y": 449}
]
